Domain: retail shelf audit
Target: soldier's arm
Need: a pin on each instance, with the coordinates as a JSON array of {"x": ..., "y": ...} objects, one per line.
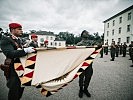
[
  {"x": 7, "y": 48},
  {"x": 32, "y": 45}
]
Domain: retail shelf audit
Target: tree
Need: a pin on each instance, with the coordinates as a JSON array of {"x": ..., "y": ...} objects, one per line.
[{"x": 68, "y": 37}]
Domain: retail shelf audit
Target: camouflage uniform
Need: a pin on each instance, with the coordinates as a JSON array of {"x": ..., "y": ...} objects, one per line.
[
  {"x": 117, "y": 50},
  {"x": 132, "y": 56},
  {"x": 124, "y": 50},
  {"x": 130, "y": 50},
  {"x": 121, "y": 49},
  {"x": 112, "y": 52},
  {"x": 33, "y": 44}
]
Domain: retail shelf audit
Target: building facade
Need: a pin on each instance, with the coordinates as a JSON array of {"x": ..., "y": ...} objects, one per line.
[
  {"x": 119, "y": 28},
  {"x": 50, "y": 37}
]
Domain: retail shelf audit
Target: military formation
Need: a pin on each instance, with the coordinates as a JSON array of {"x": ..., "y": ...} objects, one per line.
[{"x": 119, "y": 49}]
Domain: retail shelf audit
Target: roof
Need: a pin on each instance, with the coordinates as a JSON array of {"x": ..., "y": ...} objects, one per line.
[
  {"x": 127, "y": 9},
  {"x": 44, "y": 33}
]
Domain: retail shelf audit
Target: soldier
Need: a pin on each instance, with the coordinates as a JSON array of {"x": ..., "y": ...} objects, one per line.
[
  {"x": 130, "y": 49},
  {"x": 131, "y": 55},
  {"x": 124, "y": 49},
  {"x": 85, "y": 77},
  {"x": 12, "y": 49},
  {"x": 121, "y": 49},
  {"x": 1, "y": 30},
  {"x": 34, "y": 42},
  {"x": 106, "y": 48},
  {"x": 101, "y": 52},
  {"x": 117, "y": 49},
  {"x": 112, "y": 50}
]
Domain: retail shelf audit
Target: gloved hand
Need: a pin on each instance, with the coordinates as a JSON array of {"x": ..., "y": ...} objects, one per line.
[{"x": 29, "y": 50}]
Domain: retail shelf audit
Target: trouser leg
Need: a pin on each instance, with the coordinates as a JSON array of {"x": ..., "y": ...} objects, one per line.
[
  {"x": 81, "y": 79},
  {"x": 88, "y": 75},
  {"x": 15, "y": 93},
  {"x": 15, "y": 89},
  {"x": 81, "y": 83},
  {"x": 116, "y": 54},
  {"x": 124, "y": 54}
]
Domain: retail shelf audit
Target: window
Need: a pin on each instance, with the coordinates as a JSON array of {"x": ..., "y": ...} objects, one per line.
[
  {"x": 51, "y": 37},
  {"x": 112, "y": 39},
  {"x": 112, "y": 32},
  {"x": 120, "y": 20},
  {"x": 59, "y": 44},
  {"x": 119, "y": 40},
  {"x": 55, "y": 44},
  {"x": 51, "y": 43},
  {"x": 113, "y": 22},
  {"x": 128, "y": 39},
  {"x": 107, "y": 33},
  {"x": 129, "y": 16},
  {"x": 108, "y": 25},
  {"x": 128, "y": 28},
  {"x": 119, "y": 30}
]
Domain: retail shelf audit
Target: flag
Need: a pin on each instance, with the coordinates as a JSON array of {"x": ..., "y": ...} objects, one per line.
[{"x": 52, "y": 69}]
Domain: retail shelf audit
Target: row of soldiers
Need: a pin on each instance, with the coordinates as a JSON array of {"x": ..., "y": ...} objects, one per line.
[{"x": 118, "y": 49}]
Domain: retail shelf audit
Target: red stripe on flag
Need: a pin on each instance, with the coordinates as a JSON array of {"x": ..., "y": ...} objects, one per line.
[
  {"x": 71, "y": 47},
  {"x": 95, "y": 52},
  {"x": 29, "y": 74},
  {"x": 20, "y": 68},
  {"x": 75, "y": 76},
  {"x": 85, "y": 64},
  {"x": 33, "y": 58}
]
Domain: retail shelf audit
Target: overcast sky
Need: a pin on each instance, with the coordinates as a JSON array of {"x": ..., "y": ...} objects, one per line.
[{"x": 60, "y": 15}]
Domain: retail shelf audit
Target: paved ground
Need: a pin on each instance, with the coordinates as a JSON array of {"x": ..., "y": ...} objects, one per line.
[{"x": 110, "y": 81}]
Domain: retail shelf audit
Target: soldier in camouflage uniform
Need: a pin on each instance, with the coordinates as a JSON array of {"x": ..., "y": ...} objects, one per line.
[
  {"x": 117, "y": 49},
  {"x": 34, "y": 42},
  {"x": 132, "y": 56},
  {"x": 131, "y": 52},
  {"x": 106, "y": 48},
  {"x": 85, "y": 77},
  {"x": 112, "y": 50},
  {"x": 121, "y": 49},
  {"x": 124, "y": 49},
  {"x": 130, "y": 49}
]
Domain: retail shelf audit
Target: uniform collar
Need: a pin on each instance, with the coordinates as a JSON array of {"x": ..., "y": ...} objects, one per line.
[{"x": 14, "y": 37}]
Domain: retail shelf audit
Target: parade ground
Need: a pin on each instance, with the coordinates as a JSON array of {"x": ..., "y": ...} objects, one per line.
[{"x": 111, "y": 80}]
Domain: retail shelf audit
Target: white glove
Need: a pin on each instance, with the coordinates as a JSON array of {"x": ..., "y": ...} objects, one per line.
[{"x": 29, "y": 50}]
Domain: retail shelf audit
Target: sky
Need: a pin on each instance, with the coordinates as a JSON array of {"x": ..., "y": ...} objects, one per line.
[{"x": 72, "y": 16}]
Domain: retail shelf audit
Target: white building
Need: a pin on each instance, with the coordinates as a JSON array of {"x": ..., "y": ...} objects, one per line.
[
  {"x": 119, "y": 27},
  {"x": 51, "y": 38}
]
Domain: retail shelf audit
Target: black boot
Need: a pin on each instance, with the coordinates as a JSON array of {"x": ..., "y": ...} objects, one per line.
[
  {"x": 87, "y": 92},
  {"x": 112, "y": 60},
  {"x": 81, "y": 92}
]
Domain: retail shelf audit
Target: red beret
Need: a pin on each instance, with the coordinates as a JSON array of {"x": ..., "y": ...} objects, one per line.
[
  {"x": 33, "y": 36},
  {"x": 46, "y": 41},
  {"x": 14, "y": 25}
]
